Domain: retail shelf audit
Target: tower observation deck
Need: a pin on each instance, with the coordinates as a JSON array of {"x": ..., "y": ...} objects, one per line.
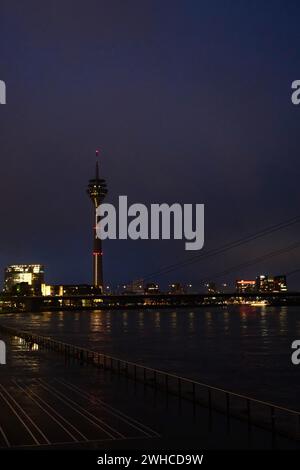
[{"x": 97, "y": 191}]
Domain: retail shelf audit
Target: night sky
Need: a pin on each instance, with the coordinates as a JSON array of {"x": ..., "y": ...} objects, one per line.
[{"x": 189, "y": 101}]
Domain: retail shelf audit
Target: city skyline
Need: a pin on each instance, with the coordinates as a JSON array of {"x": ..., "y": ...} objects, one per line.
[
  {"x": 97, "y": 191},
  {"x": 97, "y": 274},
  {"x": 30, "y": 279}
]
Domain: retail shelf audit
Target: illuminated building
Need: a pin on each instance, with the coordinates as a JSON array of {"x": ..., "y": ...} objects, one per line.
[
  {"x": 152, "y": 288},
  {"x": 266, "y": 283},
  {"x": 280, "y": 284},
  {"x": 47, "y": 290},
  {"x": 245, "y": 286},
  {"x": 18, "y": 276},
  {"x": 176, "y": 288},
  {"x": 70, "y": 290},
  {"x": 189, "y": 289},
  {"x": 136, "y": 287},
  {"x": 81, "y": 289},
  {"x": 97, "y": 191},
  {"x": 211, "y": 288}
]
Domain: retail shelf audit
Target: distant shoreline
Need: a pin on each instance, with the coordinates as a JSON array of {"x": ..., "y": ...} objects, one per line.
[{"x": 150, "y": 307}]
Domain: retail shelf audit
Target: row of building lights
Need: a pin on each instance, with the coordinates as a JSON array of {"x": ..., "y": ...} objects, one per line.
[{"x": 28, "y": 279}]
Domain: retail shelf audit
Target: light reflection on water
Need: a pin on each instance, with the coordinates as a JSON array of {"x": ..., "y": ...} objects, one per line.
[
  {"x": 141, "y": 322},
  {"x": 226, "y": 319},
  {"x": 192, "y": 322},
  {"x": 209, "y": 323},
  {"x": 157, "y": 320},
  {"x": 246, "y": 349}
]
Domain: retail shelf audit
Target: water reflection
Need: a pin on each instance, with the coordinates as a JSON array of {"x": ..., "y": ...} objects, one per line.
[
  {"x": 283, "y": 320},
  {"x": 157, "y": 320},
  {"x": 173, "y": 321},
  {"x": 264, "y": 323},
  {"x": 125, "y": 322},
  {"x": 226, "y": 317},
  {"x": 244, "y": 319},
  {"x": 208, "y": 317},
  {"x": 192, "y": 322},
  {"x": 141, "y": 320},
  {"x": 96, "y": 323}
]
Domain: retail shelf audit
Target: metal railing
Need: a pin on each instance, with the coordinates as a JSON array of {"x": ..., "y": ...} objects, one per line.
[{"x": 276, "y": 419}]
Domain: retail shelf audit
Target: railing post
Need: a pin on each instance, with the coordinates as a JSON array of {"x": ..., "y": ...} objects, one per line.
[
  {"x": 227, "y": 404},
  {"x": 248, "y": 412},
  {"x": 273, "y": 423},
  {"x": 209, "y": 400},
  {"x": 179, "y": 388},
  {"x": 228, "y": 409}
]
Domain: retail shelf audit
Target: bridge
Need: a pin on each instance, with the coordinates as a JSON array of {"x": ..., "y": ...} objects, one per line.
[{"x": 163, "y": 300}]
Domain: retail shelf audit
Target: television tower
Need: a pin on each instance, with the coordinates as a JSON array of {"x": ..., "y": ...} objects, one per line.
[{"x": 97, "y": 191}]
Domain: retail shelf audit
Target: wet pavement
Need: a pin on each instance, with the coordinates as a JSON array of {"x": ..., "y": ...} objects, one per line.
[{"x": 47, "y": 401}]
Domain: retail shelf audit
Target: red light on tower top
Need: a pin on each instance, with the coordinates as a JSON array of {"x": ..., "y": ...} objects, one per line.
[{"x": 97, "y": 152}]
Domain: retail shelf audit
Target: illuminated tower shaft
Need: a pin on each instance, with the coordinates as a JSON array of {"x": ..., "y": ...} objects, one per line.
[{"x": 97, "y": 191}]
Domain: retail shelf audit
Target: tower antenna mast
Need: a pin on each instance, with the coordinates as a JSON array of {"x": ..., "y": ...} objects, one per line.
[{"x": 97, "y": 191}]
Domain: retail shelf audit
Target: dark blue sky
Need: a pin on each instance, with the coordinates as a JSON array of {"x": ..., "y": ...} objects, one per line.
[{"x": 189, "y": 102}]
